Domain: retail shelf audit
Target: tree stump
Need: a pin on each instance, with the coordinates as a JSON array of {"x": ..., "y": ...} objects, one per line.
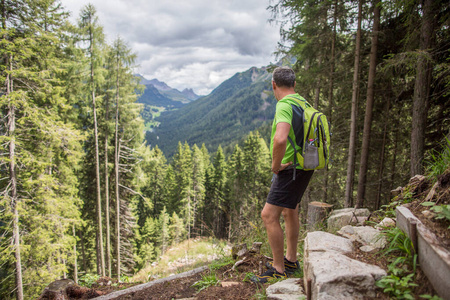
[
  {"x": 317, "y": 213},
  {"x": 56, "y": 290}
]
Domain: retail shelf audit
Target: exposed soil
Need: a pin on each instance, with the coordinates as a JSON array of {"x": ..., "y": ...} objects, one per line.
[{"x": 241, "y": 287}]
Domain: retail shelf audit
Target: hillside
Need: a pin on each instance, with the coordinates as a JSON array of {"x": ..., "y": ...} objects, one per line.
[
  {"x": 153, "y": 97},
  {"x": 239, "y": 105}
]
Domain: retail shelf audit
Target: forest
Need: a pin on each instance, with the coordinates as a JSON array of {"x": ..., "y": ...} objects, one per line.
[{"x": 82, "y": 192}]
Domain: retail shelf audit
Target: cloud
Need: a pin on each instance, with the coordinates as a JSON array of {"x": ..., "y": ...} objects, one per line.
[{"x": 189, "y": 44}]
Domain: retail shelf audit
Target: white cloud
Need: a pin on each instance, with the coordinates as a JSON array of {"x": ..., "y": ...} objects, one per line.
[{"x": 189, "y": 43}]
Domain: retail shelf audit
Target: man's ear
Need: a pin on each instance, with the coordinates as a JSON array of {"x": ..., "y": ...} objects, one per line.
[{"x": 273, "y": 85}]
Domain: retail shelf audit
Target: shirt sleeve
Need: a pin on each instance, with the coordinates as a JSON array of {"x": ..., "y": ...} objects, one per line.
[{"x": 283, "y": 113}]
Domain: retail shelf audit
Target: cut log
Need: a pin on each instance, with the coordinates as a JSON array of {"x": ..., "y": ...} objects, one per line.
[{"x": 317, "y": 213}]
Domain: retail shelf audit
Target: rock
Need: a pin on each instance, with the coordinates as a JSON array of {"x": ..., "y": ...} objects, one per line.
[
  {"x": 256, "y": 247},
  {"x": 285, "y": 290},
  {"x": 386, "y": 222},
  {"x": 366, "y": 235},
  {"x": 336, "y": 276},
  {"x": 368, "y": 248},
  {"x": 57, "y": 290},
  {"x": 396, "y": 192},
  {"x": 239, "y": 250},
  {"x": 416, "y": 180},
  {"x": 341, "y": 217},
  {"x": 428, "y": 214},
  {"x": 324, "y": 241},
  {"x": 229, "y": 283}
]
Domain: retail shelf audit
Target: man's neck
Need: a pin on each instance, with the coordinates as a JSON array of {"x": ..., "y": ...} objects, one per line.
[{"x": 284, "y": 92}]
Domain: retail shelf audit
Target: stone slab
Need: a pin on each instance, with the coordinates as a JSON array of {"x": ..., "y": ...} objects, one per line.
[
  {"x": 336, "y": 276},
  {"x": 324, "y": 241}
]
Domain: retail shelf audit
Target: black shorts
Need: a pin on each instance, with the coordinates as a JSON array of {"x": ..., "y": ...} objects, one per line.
[{"x": 285, "y": 191}]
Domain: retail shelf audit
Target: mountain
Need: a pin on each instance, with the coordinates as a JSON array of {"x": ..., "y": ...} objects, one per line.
[
  {"x": 239, "y": 105},
  {"x": 158, "y": 93},
  {"x": 153, "y": 97}
]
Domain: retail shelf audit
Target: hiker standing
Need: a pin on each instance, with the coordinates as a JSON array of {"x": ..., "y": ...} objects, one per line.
[{"x": 287, "y": 186}]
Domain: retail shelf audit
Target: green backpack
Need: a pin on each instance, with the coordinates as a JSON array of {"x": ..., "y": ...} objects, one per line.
[{"x": 312, "y": 135}]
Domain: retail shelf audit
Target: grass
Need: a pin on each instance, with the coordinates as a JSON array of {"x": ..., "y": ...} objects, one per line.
[{"x": 183, "y": 257}]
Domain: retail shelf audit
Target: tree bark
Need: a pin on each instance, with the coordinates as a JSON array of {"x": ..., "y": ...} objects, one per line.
[
  {"x": 330, "y": 92},
  {"x": 317, "y": 213},
  {"x": 369, "y": 107},
  {"x": 116, "y": 172},
  {"x": 382, "y": 155},
  {"x": 354, "y": 113},
  {"x": 13, "y": 183},
  {"x": 421, "y": 91},
  {"x": 107, "y": 210},
  {"x": 100, "y": 251},
  {"x": 317, "y": 92},
  {"x": 75, "y": 263}
]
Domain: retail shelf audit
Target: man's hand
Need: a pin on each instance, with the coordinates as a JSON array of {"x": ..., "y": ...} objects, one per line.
[{"x": 282, "y": 167}]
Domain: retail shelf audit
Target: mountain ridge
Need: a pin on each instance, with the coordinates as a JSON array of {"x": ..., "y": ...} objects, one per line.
[{"x": 241, "y": 104}]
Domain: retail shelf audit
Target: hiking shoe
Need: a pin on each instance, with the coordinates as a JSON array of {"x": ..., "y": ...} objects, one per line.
[
  {"x": 290, "y": 267},
  {"x": 269, "y": 274}
]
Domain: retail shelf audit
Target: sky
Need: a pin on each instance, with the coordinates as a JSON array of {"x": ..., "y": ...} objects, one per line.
[{"x": 194, "y": 44}]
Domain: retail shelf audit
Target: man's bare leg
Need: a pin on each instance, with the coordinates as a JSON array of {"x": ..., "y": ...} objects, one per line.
[
  {"x": 292, "y": 227},
  {"x": 271, "y": 217}
]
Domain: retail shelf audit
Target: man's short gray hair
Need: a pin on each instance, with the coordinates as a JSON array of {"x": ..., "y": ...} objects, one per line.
[{"x": 284, "y": 77}]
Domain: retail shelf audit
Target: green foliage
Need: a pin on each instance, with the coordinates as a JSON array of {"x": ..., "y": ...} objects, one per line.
[
  {"x": 399, "y": 283},
  {"x": 398, "y": 286},
  {"x": 248, "y": 276},
  {"x": 206, "y": 282},
  {"x": 88, "y": 280},
  {"x": 430, "y": 297},
  {"x": 442, "y": 211},
  {"x": 438, "y": 162},
  {"x": 389, "y": 209},
  {"x": 224, "y": 261}
]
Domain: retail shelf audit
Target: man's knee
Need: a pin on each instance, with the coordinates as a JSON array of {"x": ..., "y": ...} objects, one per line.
[
  {"x": 289, "y": 213},
  {"x": 269, "y": 216}
]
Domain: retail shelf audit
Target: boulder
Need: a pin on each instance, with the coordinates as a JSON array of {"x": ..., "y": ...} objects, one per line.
[
  {"x": 341, "y": 217},
  {"x": 336, "y": 276}
]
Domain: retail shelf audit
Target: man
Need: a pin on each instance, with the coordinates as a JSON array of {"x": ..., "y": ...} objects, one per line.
[{"x": 286, "y": 190}]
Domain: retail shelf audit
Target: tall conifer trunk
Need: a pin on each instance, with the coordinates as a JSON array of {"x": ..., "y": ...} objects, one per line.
[
  {"x": 421, "y": 91},
  {"x": 100, "y": 251},
  {"x": 116, "y": 171},
  {"x": 107, "y": 209},
  {"x": 354, "y": 113},
  {"x": 13, "y": 184},
  {"x": 331, "y": 88},
  {"x": 369, "y": 106},
  {"x": 382, "y": 156}
]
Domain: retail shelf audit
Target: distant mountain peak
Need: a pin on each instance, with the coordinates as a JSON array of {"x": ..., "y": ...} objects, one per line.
[{"x": 162, "y": 86}]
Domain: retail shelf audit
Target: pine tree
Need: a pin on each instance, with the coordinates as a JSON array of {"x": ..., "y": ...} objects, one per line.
[
  {"x": 355, "y": 97},
  {"x": 92, "y": 34},
  {"x": 43, "y": 191},
  {"x": 369, "y": 107}
]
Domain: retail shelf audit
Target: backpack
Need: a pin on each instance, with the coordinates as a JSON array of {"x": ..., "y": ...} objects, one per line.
[{"x": 312, "y": 135}]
